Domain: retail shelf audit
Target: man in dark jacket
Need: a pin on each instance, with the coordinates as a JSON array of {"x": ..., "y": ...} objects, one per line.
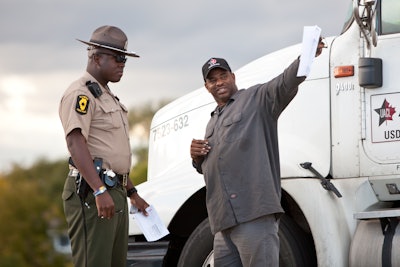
[{"x": 239, "y": 159}]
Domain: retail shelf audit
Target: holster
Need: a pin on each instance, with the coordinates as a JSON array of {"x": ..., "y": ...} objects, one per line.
[{"x": 82, "y": 187}]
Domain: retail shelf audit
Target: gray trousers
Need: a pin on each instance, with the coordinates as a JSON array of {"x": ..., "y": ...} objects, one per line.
[{"x": 250, "y": 244}]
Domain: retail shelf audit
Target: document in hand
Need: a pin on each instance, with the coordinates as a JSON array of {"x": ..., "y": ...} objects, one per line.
[
  {"x": 310, "y": 42},
  {"x": 151, "y": 225}
]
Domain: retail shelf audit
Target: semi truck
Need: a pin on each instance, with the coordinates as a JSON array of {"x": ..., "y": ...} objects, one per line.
[{"x": 339, "y": 142}]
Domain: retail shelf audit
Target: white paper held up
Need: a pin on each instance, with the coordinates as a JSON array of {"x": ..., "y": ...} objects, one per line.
[
  {"x": 151, "y": 225},
  {"x": 310, "y": 42}
]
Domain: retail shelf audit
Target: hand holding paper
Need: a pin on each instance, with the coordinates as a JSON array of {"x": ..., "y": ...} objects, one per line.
[
  {"x": 311, "y": 39},
  {"x": 151, "y": 225}
]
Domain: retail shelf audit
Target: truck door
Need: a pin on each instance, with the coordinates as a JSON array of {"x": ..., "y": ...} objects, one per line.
[{"x": 381, "y": 140}]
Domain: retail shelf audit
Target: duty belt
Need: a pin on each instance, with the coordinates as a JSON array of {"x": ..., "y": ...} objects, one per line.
[{"x": 121, "y": 179}]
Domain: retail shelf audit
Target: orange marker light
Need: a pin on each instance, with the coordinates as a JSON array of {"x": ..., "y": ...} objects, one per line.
[{"x": 343, "y": 71}]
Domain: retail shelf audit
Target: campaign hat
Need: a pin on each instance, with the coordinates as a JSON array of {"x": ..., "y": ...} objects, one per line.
[{"x": 111, "y": 38}]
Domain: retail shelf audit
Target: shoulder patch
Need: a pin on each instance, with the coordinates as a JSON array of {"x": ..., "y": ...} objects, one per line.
[{"x": 82, "y": 104}]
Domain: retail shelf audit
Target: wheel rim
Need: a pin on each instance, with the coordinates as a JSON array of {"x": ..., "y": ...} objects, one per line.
[{"x": 209, "y": 262}]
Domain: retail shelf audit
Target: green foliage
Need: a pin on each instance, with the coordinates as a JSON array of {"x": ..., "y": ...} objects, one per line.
[
  {"x": 139, "y": 171},
  {"x": 30, "y": 205},
  {"x": 142, "y": 116}
]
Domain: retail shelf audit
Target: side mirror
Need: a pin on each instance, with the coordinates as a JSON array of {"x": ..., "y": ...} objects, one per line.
[{"x": 365, "y": 16}]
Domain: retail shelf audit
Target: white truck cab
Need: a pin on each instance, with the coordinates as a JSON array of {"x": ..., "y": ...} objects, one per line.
[{"x": 339, "y": 150}]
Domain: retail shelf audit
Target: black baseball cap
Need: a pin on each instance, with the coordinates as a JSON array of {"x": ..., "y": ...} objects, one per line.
[{"x": 213, "y": 63}]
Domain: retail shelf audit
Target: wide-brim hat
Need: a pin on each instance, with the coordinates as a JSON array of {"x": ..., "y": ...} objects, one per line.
[{"x": 110, "y": 37}]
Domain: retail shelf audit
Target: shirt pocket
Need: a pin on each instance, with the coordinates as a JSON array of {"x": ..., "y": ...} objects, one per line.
[
  {"x": 109, "y": 117},
  {"x": 124, "y": 114},
  {"x": 232, "y": 127},
  {"x": 209, "y": 131}
]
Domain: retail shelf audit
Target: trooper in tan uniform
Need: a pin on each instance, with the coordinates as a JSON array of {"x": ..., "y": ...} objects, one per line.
[{"x": 97, "y": 135}]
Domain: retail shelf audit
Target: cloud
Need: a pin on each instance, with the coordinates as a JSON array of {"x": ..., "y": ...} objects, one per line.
[{"x": 40, "y": 56}]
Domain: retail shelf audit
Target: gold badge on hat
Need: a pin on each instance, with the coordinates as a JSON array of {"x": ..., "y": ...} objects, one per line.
[{"x": 82, "y": 104}]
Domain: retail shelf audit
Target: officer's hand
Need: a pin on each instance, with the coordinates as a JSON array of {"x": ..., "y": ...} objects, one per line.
[
  {"x": 198, "y": 149},
  {"x": 139, "y": 203},
  {"x": 105, "y": 205}
]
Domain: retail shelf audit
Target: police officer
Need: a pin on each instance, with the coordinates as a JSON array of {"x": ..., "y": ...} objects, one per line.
[{"x": 97, "y": 135}]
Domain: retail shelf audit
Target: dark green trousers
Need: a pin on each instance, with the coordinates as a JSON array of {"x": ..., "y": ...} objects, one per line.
[{"x": 96, "y": 242}]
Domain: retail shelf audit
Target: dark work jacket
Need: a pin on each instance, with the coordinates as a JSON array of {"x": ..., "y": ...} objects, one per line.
[{"x": 242, "y": 171}]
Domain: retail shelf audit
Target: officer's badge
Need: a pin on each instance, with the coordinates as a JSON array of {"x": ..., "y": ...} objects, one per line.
[{"x": 82, "y": 104}]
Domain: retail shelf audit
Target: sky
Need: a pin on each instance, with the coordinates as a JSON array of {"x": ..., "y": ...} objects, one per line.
[{"x": 40, "y": 56}]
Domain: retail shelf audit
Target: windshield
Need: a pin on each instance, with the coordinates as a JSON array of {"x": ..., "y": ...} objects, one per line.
[
  {"x": 387, "y": 17},
  {"x": 390, "y": 17},
  {"x": 349, "y": 17}
]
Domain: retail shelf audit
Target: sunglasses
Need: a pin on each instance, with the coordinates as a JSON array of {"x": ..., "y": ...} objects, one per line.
[{"x": 119, "y": 58}]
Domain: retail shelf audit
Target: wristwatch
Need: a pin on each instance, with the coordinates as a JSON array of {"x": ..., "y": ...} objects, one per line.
[
  {"x": 100, "y": 191},
  {"x": 130, "y": 192}
]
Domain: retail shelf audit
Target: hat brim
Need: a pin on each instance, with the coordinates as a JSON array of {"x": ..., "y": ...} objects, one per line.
[
  {"x": 131, "y": 54},
  {"x": 205, "y": 75}
]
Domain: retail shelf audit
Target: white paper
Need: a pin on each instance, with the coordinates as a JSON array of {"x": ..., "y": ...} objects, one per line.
[
  {"x": 151, "y": 225},
  {"x": 310, "y": 42}
]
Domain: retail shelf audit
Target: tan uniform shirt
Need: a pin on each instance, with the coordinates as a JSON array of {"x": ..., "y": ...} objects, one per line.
[{"x": 103, "y": 122}]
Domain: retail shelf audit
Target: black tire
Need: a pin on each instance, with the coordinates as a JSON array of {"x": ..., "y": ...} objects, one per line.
[
  {"x": 198, "y": 246},
  {"x": 296, "y": 247}
]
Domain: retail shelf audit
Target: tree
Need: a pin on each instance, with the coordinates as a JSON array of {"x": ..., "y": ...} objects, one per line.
[
  {"x": 142, "y": 116},
  {"x": 30, "y": 204}
]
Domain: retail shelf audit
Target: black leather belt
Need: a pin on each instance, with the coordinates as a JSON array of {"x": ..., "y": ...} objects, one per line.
[{"x": 122, "y": 178}]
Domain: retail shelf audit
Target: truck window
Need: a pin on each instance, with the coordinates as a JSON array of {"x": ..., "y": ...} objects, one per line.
[
  {"x": 390, "y": 15},
  {"x": 349, "y": 18}
]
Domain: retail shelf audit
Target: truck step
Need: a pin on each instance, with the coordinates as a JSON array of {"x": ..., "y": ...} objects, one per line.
[{"x": 146, "y": 254}]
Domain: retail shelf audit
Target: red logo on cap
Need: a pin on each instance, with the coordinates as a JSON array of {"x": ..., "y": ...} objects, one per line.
[{"x": 212, "y": 62}]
